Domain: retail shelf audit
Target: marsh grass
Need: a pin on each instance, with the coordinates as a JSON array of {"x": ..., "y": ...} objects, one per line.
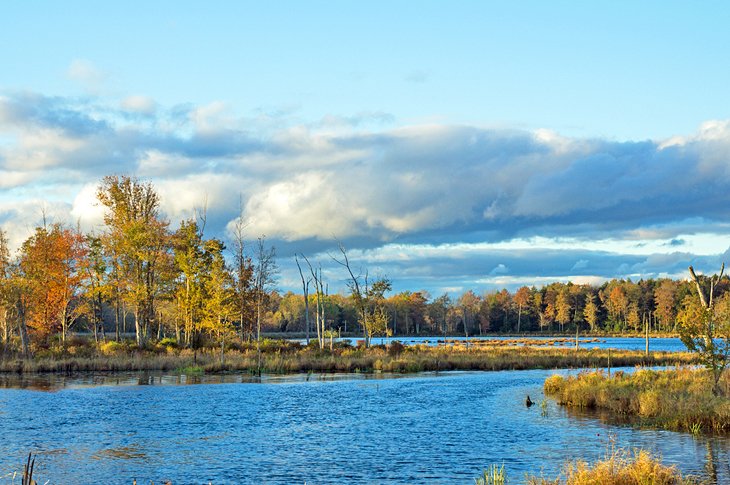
[
  {"x": 282, "y": 357},
  {"x": 621, "y": 467},
  {"x": 494, "y": 475},
  {"x": 679, "y": 399}
]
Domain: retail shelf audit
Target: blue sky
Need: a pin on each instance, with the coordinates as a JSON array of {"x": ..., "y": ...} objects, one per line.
[{"x": 449, "y": 145}]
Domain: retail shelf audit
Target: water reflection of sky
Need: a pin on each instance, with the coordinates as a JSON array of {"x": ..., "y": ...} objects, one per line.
[
  {"x": 621, "y": 343},
  {"x": 418, "y": 429}
]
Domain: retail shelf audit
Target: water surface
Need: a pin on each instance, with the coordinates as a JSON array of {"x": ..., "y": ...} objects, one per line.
[{"x": 425, "y": 428}]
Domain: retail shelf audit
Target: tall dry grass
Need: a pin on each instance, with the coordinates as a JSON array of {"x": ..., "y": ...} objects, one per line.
[
  {"x": 621, "y": 467},
  {"x": 286, "y": 357},
  {"x": 679, "y": 399}
]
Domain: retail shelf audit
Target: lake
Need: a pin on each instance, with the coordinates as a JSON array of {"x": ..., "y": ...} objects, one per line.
[
  {"x": 665, "y": 344},
  {"x": 423, "y": 428}
]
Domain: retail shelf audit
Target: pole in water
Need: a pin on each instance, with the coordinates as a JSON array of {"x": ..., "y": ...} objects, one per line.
[{"x": 609, "y": 362}]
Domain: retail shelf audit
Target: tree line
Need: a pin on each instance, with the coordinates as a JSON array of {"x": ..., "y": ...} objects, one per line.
[
  {"x": 137, "y": 276},
  {"x": 617, "y": 306}
]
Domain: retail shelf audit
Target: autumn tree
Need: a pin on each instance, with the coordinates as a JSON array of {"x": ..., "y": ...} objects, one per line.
[
  {"x": 521, "y": 299},
  {"x": 704, "y": 325},
  {"x": 96, "y": 284},
  {"x": 138, "y": 237},
  {"x": 665, "y": 296},
  {"x": 590, "y": 311},
  {"x": 469, "y": 304},
  {"x": 51, "y": 263},
  {"x": 562, "y": 308},
  {"x": 219, "y": 304},
  {"x": 438, "y": 310},
  {"x": 5, "y": 291},
  {"x": 191, "y": 262}
]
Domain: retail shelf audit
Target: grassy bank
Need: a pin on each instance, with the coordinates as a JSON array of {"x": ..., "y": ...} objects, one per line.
[
  {"x": 678, "y": 399},
  {"x": 286, "y": 357}
]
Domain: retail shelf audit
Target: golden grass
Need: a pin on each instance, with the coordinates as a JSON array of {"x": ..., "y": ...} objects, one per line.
[
  {"x": 679, "y": 399},
  {"x": 281, "y": 357},
  {"x": 620, "y": 468}
]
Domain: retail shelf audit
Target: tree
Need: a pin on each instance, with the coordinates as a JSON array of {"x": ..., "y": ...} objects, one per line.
[
  {"x": 363, "y": 295},
  {"x": 469, "y": 304},
  {"x": 438, "y": 310},
  {"x": 243, "y": 274},
  {"x": 97, "y": 287},
  {"x": 138, "y": 237},
  {"x": 562, "y": 308},
  {"x": 590, "y": 311},
  {"x": 191, "y": 263},
  {"x": 51, "y": 262},
  {"x": 305, "y": 292},
  {"x": 705, "y": 327},
  {"x": 264, "y": 280},
  {"x": 219, "y": 294},
  {"x": 6, "y": 302},
  {"x": 521, "y": 299},
  {"x": 665, "y": 296}
]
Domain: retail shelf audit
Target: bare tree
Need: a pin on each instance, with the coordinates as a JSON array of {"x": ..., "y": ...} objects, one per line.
[
  {"x": 305, "y": 289},
  {"x": 243, "y": 272},
  {"x": 371, "y": 319},
  {"x": 264, "y": 279},
  {"x": 319, "y": 288}
]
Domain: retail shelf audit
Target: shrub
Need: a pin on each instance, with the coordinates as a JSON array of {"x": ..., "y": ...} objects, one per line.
[{"x": 395, "y": 348}]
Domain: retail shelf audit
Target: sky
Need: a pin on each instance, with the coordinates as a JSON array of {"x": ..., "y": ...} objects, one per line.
[{"x": 447, "y": 145}]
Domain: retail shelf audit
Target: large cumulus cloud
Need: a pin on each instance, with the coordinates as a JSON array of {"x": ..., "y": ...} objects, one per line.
[{"x": 372, "y": 184}]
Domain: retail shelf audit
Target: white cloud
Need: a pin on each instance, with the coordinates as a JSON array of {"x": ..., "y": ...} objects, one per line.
[
  {"x": 448, "y": 195},
  {"x": 87, "y": 74},
  {"x": 139, "y": 104}
]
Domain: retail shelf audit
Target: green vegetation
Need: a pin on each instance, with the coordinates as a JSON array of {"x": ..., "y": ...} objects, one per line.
[
  {"x": 680, "y": 399},
  {"x": 706, "y": 329},
  {"x": 494, "y": 475}
]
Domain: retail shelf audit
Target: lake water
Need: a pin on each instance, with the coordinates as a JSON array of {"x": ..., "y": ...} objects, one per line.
[
  {"x": 424, "y": 428},
  {"x": 621, "y": 343}
]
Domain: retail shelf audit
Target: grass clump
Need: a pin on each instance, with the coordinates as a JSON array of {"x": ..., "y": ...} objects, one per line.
[
  {"x": 494, "y": 475},
  {"x": 679, "y": 399},
  {"x": 621, "y": 467}
]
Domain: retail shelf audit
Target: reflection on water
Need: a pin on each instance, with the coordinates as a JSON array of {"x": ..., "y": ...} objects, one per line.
[
  {"x": 427, "y": 428},
  {"x": 663, "y": 344}
]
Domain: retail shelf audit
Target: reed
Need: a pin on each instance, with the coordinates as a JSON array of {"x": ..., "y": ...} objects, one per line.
[
  {"x": 280, "y": 357},
  {"x": 679, "y": 399},
  {"x": 621, "y": 467}
]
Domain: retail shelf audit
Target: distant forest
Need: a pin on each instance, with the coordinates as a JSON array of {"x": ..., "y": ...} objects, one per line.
[{"x": 139, "y": 278}]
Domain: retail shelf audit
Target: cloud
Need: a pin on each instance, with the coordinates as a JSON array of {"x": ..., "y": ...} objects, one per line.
[
  {"x": 87, "y": 74},
  {"x": 143, "y": 105},
  {"x": 598, "y": 208}
]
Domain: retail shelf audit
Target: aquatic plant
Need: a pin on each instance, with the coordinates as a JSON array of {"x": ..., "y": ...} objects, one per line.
[{"x": 493, "y": 475}]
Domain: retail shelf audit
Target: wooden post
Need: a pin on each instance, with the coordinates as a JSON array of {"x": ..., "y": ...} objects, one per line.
[{"x": 609, "y": 362}]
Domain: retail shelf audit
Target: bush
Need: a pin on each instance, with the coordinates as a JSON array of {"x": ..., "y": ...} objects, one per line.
[
  {"x": 395, "y": 348},
  {"x": 112, "y": 347},
  {"x": 168, "y": 343}
]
